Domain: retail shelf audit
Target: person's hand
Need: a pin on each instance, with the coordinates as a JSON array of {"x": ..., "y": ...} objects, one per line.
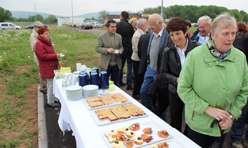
[
  {"x": 119, "y": 53},
  {"x": 177, "y": 79},
  {"x": 217, "y": 113},
  {"x": 111, "y": 50},
  {"x": 225, "y": 123},
  {"x": 58, "y": 55}
]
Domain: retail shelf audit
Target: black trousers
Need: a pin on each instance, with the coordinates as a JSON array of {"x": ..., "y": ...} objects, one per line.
[
  {"x": 138, "y": 78},
  {"x": 176, "y": 110},
  {"x": 163, "y": 100},
  {"x": 204, "y": 141}
]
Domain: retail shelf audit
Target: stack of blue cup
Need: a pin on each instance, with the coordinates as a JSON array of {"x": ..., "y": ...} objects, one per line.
[
  {"x": 96, "y": 69},
  {"x": 94, "y": 78},
  {"x": 104, "y": 81},
  {"x": 83, "y": 80}
]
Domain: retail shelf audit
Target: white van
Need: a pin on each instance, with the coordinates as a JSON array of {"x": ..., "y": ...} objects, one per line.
[{"x": 9, "y": 26}]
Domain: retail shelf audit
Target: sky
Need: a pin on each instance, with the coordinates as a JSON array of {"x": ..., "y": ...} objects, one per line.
[{"x": 64, "y": 7}]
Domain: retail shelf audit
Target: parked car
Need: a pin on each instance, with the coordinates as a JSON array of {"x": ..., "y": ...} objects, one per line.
[
  {"x": 95, "y": 24},
  {"x": 100, "y": 25},
  {"x": 87, "y": 26},
  {"x": 32, "y": 26},
  {"x": 9, "y": 26}
]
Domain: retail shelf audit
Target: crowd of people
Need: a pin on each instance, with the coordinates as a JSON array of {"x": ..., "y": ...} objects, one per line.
[{"x": 205, "y": 75}]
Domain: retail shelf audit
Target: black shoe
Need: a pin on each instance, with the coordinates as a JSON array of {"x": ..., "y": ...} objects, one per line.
[
  {"x": 129, "y": 88},
  {"x": 136, "y": 96},
  {"x": 122, "y": 84},
  {"x": 53, "y": 105},
  {"x": 43, "y": 91}
]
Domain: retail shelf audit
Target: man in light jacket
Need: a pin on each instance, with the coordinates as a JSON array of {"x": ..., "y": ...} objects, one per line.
[{"x": 33, "y": 40}]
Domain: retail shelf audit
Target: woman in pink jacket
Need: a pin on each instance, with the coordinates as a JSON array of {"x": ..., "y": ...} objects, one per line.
[{"x": 48, "y": 60}]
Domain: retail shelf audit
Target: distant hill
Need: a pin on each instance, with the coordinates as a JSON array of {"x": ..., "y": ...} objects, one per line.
[{"x": 25, "y": 14}]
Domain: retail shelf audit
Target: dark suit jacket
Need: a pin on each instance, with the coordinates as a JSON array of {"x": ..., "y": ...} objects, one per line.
[
  {"x": 145, "y": 60},
  {"x": 142, "y": 50},
  {"x": 126, "y": 31}
]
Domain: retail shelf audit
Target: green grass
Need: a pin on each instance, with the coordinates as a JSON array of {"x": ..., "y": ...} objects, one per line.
[
  {"x": 193, "y": 29},
  {"x": 18, "y": 72}
]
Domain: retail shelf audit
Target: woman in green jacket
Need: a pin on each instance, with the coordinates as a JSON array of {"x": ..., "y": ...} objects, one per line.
[{"x": 213, "y": 83}]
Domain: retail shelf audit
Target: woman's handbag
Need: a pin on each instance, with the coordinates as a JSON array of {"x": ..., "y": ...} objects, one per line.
[{"x": 216, "y": 144}]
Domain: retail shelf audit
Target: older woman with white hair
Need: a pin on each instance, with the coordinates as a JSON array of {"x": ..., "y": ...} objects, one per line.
[{"x": 213, "y": 83}]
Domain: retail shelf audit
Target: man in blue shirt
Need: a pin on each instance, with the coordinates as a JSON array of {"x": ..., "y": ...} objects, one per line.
[{"x": 202, "y": 32}]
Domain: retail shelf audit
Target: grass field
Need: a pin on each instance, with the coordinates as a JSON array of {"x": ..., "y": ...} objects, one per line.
[{"x": 19, "y": 80}]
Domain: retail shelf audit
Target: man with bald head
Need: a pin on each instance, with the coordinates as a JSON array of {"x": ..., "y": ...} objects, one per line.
[{"x": 158, "y": 39}]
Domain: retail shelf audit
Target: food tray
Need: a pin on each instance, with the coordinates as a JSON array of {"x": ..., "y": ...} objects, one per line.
[
  {"x": 104, "y": 106},
  {"x": 155, "y": 129},
  {"x": 105, "y": 122}
]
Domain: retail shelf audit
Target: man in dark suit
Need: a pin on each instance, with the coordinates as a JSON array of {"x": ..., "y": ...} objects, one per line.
[
  {"x": 125, "y": 29},
  {"x": 158, "y": 38}
]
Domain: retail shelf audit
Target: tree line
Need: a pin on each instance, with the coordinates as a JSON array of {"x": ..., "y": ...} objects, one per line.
[
  {"x": 192, "y": 12},
  {"x": 32, "y": 18}
]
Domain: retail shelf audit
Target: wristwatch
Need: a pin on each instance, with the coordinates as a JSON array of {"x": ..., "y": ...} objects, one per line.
[{"x": 232, "y": 117}]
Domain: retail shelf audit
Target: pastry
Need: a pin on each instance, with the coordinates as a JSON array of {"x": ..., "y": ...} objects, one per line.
[
  {"x": 153, "y": 146},
  {"x": 137, "y": 140},
  {"x": 93, "y": 99},
  {"x": 117, "y": 144},
  {"x": 122, "y": 130},
  {"x": 130, "y": 133},
  {"x": 120, "y": 136},
  {"x": 112, "y": 132},
  {"x": 147, "y": 130},
  {"x": 112, "y": 138},
  {"x": 146, "y": 138},
  {"x": 163, "y": 145},
  {"x": 128, "y": 143},
  {"x": 163, "y": 134},
  {"x": 134, "y": 127}
]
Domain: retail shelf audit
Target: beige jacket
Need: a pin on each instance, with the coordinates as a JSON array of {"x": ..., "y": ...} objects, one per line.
[
  {"x": 33, "y": 40},
  {"x": 103, "y": 43},
  {"x": 135, "y": 42}
]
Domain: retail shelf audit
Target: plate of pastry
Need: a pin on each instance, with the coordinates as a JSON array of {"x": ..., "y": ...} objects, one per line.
[{"x": 135, "y": 135}]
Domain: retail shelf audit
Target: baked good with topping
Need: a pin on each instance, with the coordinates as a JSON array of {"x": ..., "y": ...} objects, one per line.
[
  {"x": 128, "y": 143},
  {"x": 117, "y": 144},
  {"x": 137, "y": 140},
  {"x": 130, "y": 133},
  {"x": 163, "y": 134},
  {"x": 122, "y": 130},
  {"x": 163, "y": 145},
  {"x": 111, "y": 132},
  {"x": 146, "y": 138},
  {"x": 147, "y": 130},
  {"x": 134, "y": 127},
  {"x": 120, "y": 136},
  {"x": 153, "y": 146},
  {"x": 112, "y": 138}
]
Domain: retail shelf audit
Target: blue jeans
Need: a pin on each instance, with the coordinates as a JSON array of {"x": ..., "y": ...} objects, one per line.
[
  {"x": 238, "y": 126},
  {"x": 150, "y": 77},
  {"x": 114, "y": 72},
  {"x": 129, "y": 71}
]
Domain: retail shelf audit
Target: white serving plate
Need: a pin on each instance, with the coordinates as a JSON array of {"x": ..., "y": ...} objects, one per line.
[
  {"x": 105, "y": 122},
  {"x": 104, "y": 106},
  {"x": 173, "y": 143},
  {"x": 155, "y": 128}
]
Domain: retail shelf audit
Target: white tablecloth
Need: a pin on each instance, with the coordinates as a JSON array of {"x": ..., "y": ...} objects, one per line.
[{"x": 74, "y": 115}]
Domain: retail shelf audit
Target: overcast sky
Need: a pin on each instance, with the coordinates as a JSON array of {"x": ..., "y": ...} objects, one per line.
[{"x": 64, "y": 7}]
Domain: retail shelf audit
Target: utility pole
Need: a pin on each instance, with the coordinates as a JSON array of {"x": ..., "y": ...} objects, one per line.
[
  {"x": 72, "y": 15},
  {"x": 162, "y": 6},
  {"x": 35, "y": 12}
]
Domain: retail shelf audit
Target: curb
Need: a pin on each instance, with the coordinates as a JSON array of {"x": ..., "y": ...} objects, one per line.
[{"x": 42, "y": 135}]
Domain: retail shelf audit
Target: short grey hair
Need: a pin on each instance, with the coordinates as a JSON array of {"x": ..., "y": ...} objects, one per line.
[
  {"x": 205, "y": 18},
  {"x": 222, "y": 21},
  {"x": 158, "y": 18},
  {"x": 140, "y": 22}
]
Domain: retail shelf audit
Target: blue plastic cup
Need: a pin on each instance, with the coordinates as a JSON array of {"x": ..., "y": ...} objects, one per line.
[
  {"x": 104, "y": 80},
  {"x": 83, "y": 80},
  {"x": 94, "y": 80},
  {"x": 96, "y": 69}
]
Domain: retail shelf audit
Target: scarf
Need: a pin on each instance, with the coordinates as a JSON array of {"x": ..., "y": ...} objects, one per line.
[
  {"x": 240, "y": 32},
  {"x": 214, "y": 52}
]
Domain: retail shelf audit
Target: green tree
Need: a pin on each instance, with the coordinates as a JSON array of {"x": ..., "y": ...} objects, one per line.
[
  {"x": 51, "y": 19},
  {"x": 235, "y": 13},
  {"x": 245, "y": 15},
  {"x": 5, "y": 15},
  {"x": 39, "y": 17},
  {"x": 103, "y": 14}
]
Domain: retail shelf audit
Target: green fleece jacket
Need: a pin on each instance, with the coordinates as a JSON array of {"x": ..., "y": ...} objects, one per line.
[{"x": 204, "y": 80}]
